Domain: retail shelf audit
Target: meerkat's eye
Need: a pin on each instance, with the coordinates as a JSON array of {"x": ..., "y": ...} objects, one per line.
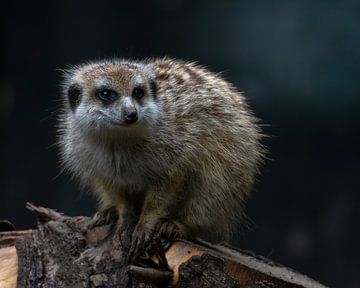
[
  {"x": 138, "y": 93},
  {"x": 106, "y": 95}
]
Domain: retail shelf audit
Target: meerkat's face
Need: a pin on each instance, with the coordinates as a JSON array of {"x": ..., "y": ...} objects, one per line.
[{"x": 108, "y": 96}]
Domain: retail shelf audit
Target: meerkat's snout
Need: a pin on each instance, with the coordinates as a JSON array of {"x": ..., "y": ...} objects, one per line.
[
  {"x": 131, "y": 116},
  {"x": 129, "y": 110}
]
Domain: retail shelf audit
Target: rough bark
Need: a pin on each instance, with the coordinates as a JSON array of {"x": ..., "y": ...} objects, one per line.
[{"x": 72, "y": 252}]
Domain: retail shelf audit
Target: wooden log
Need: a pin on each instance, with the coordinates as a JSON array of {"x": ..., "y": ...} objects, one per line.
[
  {"x": 70, "y": 252},
  {"x": 8, "y": 267}
]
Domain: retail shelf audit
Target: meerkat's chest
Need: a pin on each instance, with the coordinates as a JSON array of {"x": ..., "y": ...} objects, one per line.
[{"x": 124, "y": 169}]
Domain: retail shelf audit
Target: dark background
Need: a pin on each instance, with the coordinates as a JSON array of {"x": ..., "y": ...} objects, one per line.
[{"x": 297, "y": 61}]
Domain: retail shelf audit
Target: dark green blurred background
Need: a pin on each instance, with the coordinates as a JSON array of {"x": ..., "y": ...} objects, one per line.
[{"x": 297, "y": 61}]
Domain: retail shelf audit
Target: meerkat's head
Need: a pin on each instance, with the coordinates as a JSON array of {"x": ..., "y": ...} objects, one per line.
[{"x": 111, "y": 96}]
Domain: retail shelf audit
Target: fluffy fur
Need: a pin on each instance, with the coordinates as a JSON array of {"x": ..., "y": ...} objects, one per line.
[{"x": 188, "y": 163}]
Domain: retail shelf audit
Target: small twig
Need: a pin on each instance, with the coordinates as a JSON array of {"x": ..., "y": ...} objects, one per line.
[
  {"x": 150, "y": 275},
  {"x": 44, "y": 214}
]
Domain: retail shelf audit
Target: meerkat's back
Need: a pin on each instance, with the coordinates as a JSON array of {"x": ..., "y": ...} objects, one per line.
[{"x": 217, "y": 135}]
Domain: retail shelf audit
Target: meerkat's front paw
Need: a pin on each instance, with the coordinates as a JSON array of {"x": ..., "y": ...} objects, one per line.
[
  {"x": 164, "y": 229},
  {"x": 140, "y": 242},
  {"x": 168, "y": 231}
]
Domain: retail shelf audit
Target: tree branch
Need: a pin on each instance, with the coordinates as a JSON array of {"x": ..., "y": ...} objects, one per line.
[{"x": 72, "y": 252}]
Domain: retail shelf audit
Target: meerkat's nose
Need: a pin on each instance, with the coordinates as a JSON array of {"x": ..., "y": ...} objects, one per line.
[{"x": 131, "y": 116}]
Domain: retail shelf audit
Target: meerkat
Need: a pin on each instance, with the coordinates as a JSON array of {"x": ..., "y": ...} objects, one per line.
[{"x": 166, "y": 141}]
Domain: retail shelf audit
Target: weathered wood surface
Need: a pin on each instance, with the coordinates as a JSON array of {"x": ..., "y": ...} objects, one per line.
[
  {"x": 70, "y": 252},
  {"x": 8, "y": 267}
]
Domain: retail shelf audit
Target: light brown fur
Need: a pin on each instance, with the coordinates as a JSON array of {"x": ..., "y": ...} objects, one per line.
[{"x": 188, "y": 163}]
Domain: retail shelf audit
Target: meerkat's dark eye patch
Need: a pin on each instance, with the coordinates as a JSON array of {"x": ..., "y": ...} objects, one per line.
[
  {"x": 74, "y": 95},
  {"x": 138, "y": 93},
  {"x": 106, "y": 95}
]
